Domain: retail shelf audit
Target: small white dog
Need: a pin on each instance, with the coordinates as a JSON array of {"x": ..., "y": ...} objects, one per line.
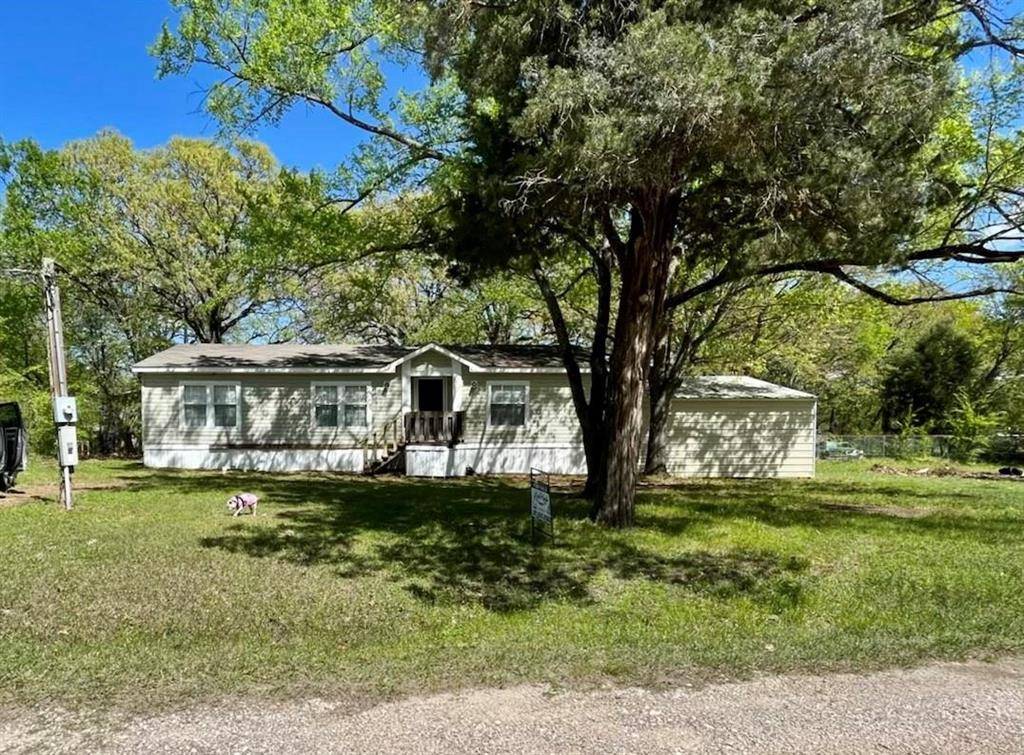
[{"x": 242, "y": 501}]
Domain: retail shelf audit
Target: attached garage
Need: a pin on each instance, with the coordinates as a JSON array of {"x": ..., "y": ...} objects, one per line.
[{"x": 738, "y": 426}]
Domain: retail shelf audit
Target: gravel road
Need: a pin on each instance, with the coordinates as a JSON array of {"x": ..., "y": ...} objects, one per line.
[{"x": 944, "y": 708}]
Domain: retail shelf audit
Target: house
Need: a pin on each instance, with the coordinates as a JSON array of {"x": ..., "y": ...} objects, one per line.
[{"x": 436, "y": 411}]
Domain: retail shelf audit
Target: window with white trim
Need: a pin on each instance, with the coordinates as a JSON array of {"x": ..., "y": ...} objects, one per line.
[
  {"x": 225, "y": 406},
  {"x": 194, "y": 414},
  {"x": 210, "y": 404},
  {"x": 341, "y": 405},
  {"x": 507, "y": 404}
]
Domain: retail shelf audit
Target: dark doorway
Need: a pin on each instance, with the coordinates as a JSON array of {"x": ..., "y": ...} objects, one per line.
[{"x": 430, "y": 394}]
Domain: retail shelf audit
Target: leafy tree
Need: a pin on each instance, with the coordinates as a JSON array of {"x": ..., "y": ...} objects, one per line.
[
  {"x": 742, "y": 162},
  {"x": 926, "y": 380},
  {"x": 154, "y": 246},
  {"x": 840, "y": 346},
  {"x": 413, "y": 298},
  {"x": 725, "y": 330},
  {"x": 162, "y": 232},
  {"x": 743, "y": 140}
]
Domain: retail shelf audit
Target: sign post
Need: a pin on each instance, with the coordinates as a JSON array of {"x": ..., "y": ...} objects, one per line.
[{"x": 542, "y": 519}]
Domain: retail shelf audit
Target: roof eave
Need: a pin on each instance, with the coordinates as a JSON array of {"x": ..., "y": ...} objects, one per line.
[
  {"x": 183, "y": 369},
  {"x": 525, "y": 370}
]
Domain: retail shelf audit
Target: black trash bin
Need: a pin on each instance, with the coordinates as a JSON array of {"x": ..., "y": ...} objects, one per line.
[{"x": 13, "y": 444}]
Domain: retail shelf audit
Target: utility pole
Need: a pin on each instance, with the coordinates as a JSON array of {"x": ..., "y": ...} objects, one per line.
[{"x": 65, "y": 413}]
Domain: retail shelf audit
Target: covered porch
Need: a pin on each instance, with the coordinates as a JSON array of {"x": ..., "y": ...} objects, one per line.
[
  {"x": 434, "y": 415},
  {"x": 432, "y": 395}
]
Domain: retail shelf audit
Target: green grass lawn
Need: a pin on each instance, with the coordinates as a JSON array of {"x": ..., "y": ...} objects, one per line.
[{"x": 150, "y": 591}]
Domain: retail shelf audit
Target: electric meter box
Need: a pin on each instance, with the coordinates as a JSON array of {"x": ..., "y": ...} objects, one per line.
[
  {"x": 65, "y": 410},
  {"x": 67, "y": 446}
]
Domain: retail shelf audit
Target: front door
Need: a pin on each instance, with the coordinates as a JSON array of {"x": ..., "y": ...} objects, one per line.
[{"x": 430, "y": 394}]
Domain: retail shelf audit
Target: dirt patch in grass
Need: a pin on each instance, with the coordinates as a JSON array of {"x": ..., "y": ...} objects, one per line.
[
  {"x": 49, "y": 491},
  {"x": 9, "y": 499},
  {"x": 943, "y": 471}
]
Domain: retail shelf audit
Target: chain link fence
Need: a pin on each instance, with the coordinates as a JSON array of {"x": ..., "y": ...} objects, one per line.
[{"x": 1002, "y": 447}]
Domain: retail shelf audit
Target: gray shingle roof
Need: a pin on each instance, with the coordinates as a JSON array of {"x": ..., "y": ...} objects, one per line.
[
  {"x": 514, "y": 356},
  {"x": 199, "y": 357},
  {"x": 275, "y": 356},
  {"x": 240, "y": 357},
  {"x": 734, "y": 387}
]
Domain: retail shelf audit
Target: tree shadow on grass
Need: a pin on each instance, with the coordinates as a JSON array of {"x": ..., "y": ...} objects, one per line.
[
  {"x": 502, "y": 571},
  {"x": 469, "y": 542}
]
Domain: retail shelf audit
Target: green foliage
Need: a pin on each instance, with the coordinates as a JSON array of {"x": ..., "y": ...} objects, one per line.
[
  {"x": 154, "y": 246},
  {"x": 970, "y": 428},
  {"x": 909, "y": 437},
  {"x": 792, "y": 138},
  {"x": 926, "y": 379},
  {"x": 269, "y": 55},
  {"x": 162, "y": 233},
  {"x": 412, "y": 298}
]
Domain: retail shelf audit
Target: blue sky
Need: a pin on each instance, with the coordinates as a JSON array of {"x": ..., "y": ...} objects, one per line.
[{"x": 69, "y": 68}]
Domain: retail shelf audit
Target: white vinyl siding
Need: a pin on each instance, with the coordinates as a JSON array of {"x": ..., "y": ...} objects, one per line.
[
  {"x": 742, "y": 438},
  {"x": 550, "y": 416},
  {"x": 271, "y": 410},
  {"x": 431, "y": 363},
  {"x": 748, "y": 437}
]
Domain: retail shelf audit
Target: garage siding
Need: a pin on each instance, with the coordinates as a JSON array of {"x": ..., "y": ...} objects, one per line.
[{"x": 742, "y": 438}]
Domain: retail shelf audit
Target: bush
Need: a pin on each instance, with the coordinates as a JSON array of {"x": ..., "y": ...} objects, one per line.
[
  {"x": 970, "y": 429},
  {"x": 909, "y": 440}
]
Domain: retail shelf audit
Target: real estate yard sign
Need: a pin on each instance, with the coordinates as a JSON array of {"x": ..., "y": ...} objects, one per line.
[{"x": 542, "y": 519}]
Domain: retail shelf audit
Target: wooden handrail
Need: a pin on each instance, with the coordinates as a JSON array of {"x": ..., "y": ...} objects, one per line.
[{"x": 434, "y": 427}]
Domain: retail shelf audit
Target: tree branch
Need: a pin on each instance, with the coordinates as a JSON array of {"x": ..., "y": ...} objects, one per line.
[{"x": 897, "y": 301}]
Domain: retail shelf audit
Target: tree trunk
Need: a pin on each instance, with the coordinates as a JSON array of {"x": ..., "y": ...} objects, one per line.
[
  {"x": 590, "y": 411},
  {"x": 657, "y": 427},
  {"x": 628, "y": 375},
  {"x": 595, "y": 444},
  {"x": 645, "y": 265},
  {"x": 597, "y": 408}
]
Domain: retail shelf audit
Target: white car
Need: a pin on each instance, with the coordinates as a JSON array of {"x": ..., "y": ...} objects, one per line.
[{"x": 841, "y": 449}]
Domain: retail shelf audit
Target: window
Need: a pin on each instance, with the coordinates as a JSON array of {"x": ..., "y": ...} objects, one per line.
[
  {"x": 195, "y": 406},
  {"x": 507, "y": 404},
  {"x": 225, "y": 406},
  {"x": 341, "y": 405},
  {"x": 355, "y": 405},
  {"x": 210, "y": 404},
  {"x": 325, "y": 405}
]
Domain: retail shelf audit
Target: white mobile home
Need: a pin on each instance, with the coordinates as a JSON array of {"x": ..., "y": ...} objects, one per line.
[{"x": 436, "y": 411}]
